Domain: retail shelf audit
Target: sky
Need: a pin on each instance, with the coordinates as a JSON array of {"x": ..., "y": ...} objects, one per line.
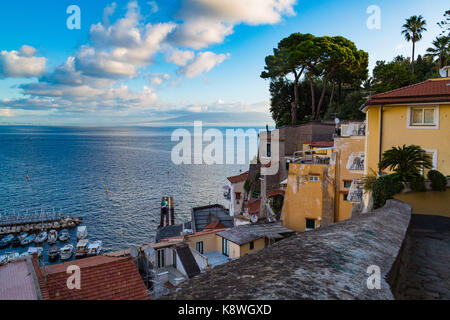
[{"x": 170, "y": 62}]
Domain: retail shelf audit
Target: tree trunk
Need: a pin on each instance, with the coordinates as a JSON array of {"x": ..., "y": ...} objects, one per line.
[
  {"x": 340, "y": 94},
  {"x": 322, "y": 96},
  {"x": 294, "y": 104},
  {"x": 414, "y": 44},
  {"x": 332, "y": 93},
  {"x": 313, "y": 100}
]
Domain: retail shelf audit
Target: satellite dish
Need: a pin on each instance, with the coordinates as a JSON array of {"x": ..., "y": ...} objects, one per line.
[
  {"x": 134, "y": 252},
  {"x": 254, "y": 218},
  {"x": 336, "y": 120},
  {"x": 443, "y": 72}
]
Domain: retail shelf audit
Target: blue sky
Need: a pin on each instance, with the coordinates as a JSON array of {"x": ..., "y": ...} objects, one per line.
[{"x": 165, "y": 62}]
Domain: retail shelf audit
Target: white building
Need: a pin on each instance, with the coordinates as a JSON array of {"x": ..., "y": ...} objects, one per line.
[{"x": 237, "y": 192}]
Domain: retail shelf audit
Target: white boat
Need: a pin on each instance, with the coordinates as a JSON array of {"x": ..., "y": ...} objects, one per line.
[
  {"x": 95, "y": 248},
  {"x": 82, "y": 232},
  {"x": 64, "y": 235},
  {"x": 12, "y": 256},
  {"x": 82, "y": 248},
  {"x": 3, "y": 259},
  {"x": 52, "y": 236},
  {"x": 23, "y": 235},
  {"x": 33, "y": 250},
  {"x": 66, "y": 252},
  {"x": 41, "y": 237},
  {"x": 28, "y": 240}
]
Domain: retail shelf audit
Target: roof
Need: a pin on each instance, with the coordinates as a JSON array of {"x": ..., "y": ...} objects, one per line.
[
  {"x": 171, "y": 231},
  {"x": 18, "y": 281},
  {"x": 432, "y": 90},
  {"x": 215, "y": 225},
  {"x": 239, "y": 178},
  {"x": 202, "y": 216},
  {"x": 103, "y": 278},
  {"x": 319, "y": 144},
  {"x": 181, "y": 237},
  {"x": 215, "y": 258},
  {"x": 250, "y": 232},
  {"x": 254, "y": 206},
  {"x": 188, "y": 261}
]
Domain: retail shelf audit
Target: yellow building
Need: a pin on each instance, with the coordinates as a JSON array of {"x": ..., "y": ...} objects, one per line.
[
  {"x": 323, "y": 180},
  {"x": 418, "y": 114}
]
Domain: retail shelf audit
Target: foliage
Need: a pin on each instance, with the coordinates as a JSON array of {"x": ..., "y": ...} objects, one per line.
[
  {"x": 418, "y": 184},
  {"x": 384, "y": 188},
  {"x": 440, "y": 50},
  {"x": 412, "y": 30},
  {"x": 247, "y": 185},
  {"x": 406, "y": 161},
  {"x": 438, "y": 180},
  {"x": 392, "y": 75},
  {"x": 368, "y": 180}
]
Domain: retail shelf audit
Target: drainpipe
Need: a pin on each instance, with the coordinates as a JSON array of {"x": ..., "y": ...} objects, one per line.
[{"x": 381, "y": 136}]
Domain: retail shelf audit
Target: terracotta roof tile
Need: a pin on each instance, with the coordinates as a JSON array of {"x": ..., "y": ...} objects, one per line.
[
  {"x": 321, "y": 144},
  {"x": 238, "y": 178},
  {"x": 102, "y": 278},
  {"x": 433, "y": 90},
  {"x": 214, "y": 225}
]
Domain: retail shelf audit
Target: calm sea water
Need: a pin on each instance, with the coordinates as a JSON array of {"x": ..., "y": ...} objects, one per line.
[{"x": 71, "y": 169}]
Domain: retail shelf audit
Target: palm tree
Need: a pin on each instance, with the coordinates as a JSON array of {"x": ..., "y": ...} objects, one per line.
[
  {"x": 440, "y": 50},
  {"x": 412, "y": 30},
  {"x": 406, "y": 161}
]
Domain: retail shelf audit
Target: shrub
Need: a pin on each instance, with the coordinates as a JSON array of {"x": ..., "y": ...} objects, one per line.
[
  {"x": 368, "y": 180},
  {"x": 384, "y": 188},
  {"x": 418, "y": 184},
  {"x": 438, "y": 180}
]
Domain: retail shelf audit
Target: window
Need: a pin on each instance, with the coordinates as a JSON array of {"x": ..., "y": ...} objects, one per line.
[
  {"x": 345, "y": 196},
  {"x": 199, "y": 246},
  {"x": 423, "y": 116},
  {"x": 174, "y": 257},
  {"x": 269, "y": 150},
  {"x": 238, "y": 196},
  {"x": 252, "y": 245},
  {"x": 225, "y": 247},
  {"x": 313, "y": 178},
  {"x": 161, "y": 258},
  {"x": 310, "y": 224},
  {"x": 433, "y": 155},
  {"x": 287, "y": 165},
  {"x": 347, "y": 183}
]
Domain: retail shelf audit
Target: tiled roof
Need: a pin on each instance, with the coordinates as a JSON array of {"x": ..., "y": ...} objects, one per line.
[
  {"x": 254, "y": 206},
  {"x": 188, "y": 261},
  {"x": 320, "y": 144},
  {"x": 214, "y": 225},
  {"x": 250, "y": 232},
  {"x": 238, "y": 178},
  {"x": 102, "y": 278},
  {"x": 202, "y": 216},
  {"x": 433, "y": 90}
]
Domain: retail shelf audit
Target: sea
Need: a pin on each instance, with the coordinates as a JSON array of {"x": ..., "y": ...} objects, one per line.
[{"x": 70, "y": 170}]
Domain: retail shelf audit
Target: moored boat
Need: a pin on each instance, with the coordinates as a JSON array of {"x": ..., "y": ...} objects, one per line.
[
  {"x": 66, "y": 252},
  {"x": 6, "y": 241},
  {"x": 95, "y": 248},
  {"x": 22, "y": 235},
  {"x": 53, "y": 253},
  {"x": 3, "y": 259},
  {"x": 82, "y": 248},
  {"x": 33, "y": 250},
  {"x": 52, "y": 236},
  {"x": 64, "y": 235},
  {"x": 81, "y": 232},
  {"x": 12, "y": 256},
  {"x": 29, "y": 239},
  {"x": 41, "y": 237},
  {"x": 15, "y": 242}
]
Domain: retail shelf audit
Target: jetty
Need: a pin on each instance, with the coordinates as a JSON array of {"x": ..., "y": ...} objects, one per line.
[
  {"x": 35, "y": 222},
  {"x": 167, "y": 212}
]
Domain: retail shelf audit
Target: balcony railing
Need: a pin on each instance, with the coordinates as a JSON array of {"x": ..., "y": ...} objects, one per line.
[{"x": 356, "y": 191}]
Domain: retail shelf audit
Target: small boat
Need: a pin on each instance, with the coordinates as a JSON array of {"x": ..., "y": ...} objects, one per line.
[
  {"x": 66, "y": 252},
  {"x": 95, "y": 248},
  {"x": 29, "y": 239},
  {"x": 81, "y": 232},
  {"x": 6, "y": 241},
  {"x": 82, "y": 248},
  {"x": 15, "y": 242},
  {"x": 12, "y": 256},
  {"x": 53, "y": 253},
  {"x": 3, "y": 259},
  {"x": 22, "y": 235},
  {"x": 33, "y": 250},
  {"x": 41, "y": 237},
  {"x": 52, "y": 236},
  {"x": 64, "y": 235}
]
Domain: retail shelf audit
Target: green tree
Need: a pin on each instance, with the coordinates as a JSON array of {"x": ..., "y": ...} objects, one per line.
[
  {"x": 406, "y": 161},
  {"x": 289, "y": 58},
  {"x": 412, "y": 30},
  {"x": 439, "y": 50},
  {"x": 391, "y": 75},
  {"x": 445, "y": 24}
]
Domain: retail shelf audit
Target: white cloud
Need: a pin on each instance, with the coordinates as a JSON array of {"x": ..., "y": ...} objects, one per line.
[
  {"x": 204, "y": 62},
  {"x": 210, "y": 21},
  {"x": 6, "y": 112},
  {"x": 158, "y": 79},
  {"x": 180, "y": 57},
  {"x": 21, "y": 64}
]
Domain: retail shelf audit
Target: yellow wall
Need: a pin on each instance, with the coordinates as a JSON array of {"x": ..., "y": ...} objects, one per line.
[
  {"x": 303, "y": 199},
  {"x": 209, "y": 241},
  {"x": 397, "y": 133},
  {"x": 429, "y": 202},
  {"x": 258, "y": 245}
]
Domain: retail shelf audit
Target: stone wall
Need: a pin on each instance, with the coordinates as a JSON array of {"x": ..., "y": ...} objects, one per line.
[{"x": 327, "y": 263}]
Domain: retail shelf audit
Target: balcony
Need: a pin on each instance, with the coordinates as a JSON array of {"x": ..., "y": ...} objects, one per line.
[
  {"x": 353, "y": 129},
  {"x": 356, "y": 161},
  {"x": 356, "y": 191}
]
